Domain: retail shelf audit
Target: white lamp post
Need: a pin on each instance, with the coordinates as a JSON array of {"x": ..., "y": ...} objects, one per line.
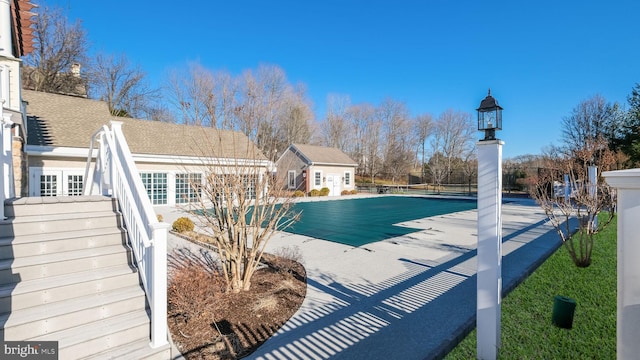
[{"x": 489, "y": 229}]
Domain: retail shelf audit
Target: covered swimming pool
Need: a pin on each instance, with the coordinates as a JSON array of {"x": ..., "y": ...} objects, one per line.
[{"x": 357, "y": 222}]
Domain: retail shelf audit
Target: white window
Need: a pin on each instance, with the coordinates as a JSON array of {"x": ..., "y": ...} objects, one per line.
[
  {"x": 249, "y": 182},
  {"x": 291, "y": 179},
  {"x": 156, "y": 185},
  {"x": 188, "y": 188},
  {"x": 317, "y": 176},
  {"x": 48, "y": 185},
  {"x": 74, "y": 185},
  {"x": 347, "y": 178}
]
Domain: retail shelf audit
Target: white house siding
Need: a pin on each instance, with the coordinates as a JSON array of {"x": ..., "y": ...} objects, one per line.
[
  {"x": 59, "y": 177},
  {"x": 10, "y": 83},
  {"x": 332, "y": 177}
]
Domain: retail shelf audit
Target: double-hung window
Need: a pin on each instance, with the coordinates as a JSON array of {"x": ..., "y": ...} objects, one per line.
[{"x": 347, "y": 178}]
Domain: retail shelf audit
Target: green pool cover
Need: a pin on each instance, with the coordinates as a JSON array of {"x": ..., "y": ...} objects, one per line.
[{"x": 357, "y": 222}]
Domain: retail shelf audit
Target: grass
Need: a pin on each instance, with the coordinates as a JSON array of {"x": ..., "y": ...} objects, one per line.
[{"x": 527, "y": 332}]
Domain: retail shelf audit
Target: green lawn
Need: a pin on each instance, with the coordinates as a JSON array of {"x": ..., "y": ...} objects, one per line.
[{"x": 527, "y": 332}]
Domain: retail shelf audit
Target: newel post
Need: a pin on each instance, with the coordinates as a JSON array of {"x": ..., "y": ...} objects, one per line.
[
  {"x": 159, "y": 333},
  {"x": 6, "y": 160},
  {"x": 627, "y": 183}
]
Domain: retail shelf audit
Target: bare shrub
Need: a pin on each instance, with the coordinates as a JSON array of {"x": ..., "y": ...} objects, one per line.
[
  {"x": 194, "y": 280},
  {"x": 289, "y": 253},
  {"x": 268, "y": 303},
  {"x": 285, "y": 260},
  {"x": 583, "y": 202}
]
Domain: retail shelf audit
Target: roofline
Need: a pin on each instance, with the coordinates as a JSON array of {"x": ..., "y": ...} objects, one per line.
[
  {"x": 301, "y": 154},
  {"x": 334, "y": 164},
  {"x": 308, "y": 161},
  {"x": 51, "y": 151}
]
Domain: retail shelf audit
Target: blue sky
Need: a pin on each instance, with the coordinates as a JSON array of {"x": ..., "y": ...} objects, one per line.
[{"x": 539, "y": 58}]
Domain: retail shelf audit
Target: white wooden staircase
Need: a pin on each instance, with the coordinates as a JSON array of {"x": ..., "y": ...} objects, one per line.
[{"x": 67, "y": 275}]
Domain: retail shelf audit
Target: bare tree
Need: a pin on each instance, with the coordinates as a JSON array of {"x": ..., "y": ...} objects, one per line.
[
  {"x": 335, "y": 128},
  {"x": 470, "y": 166},
  {"x": 59, "y": 50},
  {"x": 122, "y": 86},
  {"x": 454, "y": 130},
  {"x": 368, "y": 131},
  {"x": 260, "y": 103},
  {"x": 423, "y": 126},
  {"x": 240, "y": 204},
  {"x": 294, "y": 125},
  {"x": 590, "y": 121},
  {"x": 437, "y": 167},
  {"x": 191, "y": 93},
  {"x": 399, "y": 141}
]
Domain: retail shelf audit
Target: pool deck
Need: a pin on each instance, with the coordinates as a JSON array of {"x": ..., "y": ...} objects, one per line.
[{"x": 409, "y": 297}]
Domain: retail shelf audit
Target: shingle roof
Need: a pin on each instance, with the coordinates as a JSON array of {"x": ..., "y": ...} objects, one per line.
[
  {"x": 324, "y": 155},
  {"x": 68, "y": 121}
]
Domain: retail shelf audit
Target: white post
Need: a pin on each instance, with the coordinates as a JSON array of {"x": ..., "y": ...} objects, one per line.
[
  {"x": 592, "y": 172},
  {"x": 159, "y": 334},
  {"x": 5, "y": 29},
  {"x": 567, "y": 188},
  {"x": 7, "y": 184},
  {"x": 627, "y": 183},
  {"x": 5, "y": 87},
  {"x": 489, "y": 248}
]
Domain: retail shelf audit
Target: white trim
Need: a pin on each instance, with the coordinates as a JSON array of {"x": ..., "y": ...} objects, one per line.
[
  {"x": 334, "y": 164},
  {"x": 37, "y": 150}
]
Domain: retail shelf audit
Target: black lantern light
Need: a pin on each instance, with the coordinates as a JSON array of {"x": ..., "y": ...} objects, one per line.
[{"x": 489, "y": 117}]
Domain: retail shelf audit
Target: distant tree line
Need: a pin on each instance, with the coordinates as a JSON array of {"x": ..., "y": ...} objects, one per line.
[{"x": 384, "y": 139}]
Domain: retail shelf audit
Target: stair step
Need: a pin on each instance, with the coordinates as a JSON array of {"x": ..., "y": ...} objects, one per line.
[
  {"x": 50, "y": 223},
  {"x": 102, "y": 336},
  {"x": 34, "y": 322},
  {"x": 37, "y": 292},
  {"x": 66, "y": 276},
  {"x": 139, "y": 350},
  {"x": 40, "y": 266},
  {"x": 27, "y": 206},
  {"x": 34, "y": 244}
]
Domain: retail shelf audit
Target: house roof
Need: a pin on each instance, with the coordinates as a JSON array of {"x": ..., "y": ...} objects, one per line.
[
  {"x": 322, "y": 155},
  {"x": 67, "y": 121}
]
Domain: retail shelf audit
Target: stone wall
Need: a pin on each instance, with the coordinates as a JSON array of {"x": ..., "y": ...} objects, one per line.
[{"x": 20, "y": 171}]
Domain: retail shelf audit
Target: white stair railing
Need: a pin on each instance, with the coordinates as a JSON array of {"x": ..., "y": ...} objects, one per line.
[{"x": 115, "y": 174}]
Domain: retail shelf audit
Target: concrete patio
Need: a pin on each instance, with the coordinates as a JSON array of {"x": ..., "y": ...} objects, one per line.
[{"x": 409, "y": 297}]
